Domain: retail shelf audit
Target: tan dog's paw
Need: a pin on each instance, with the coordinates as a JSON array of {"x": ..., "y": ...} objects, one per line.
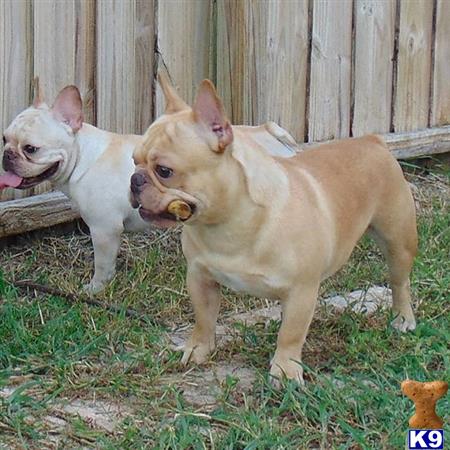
[
  {"x": 285, "y": 369},
  {"x": 404, "y": 324},
  {"x": 197, "y": 353}
]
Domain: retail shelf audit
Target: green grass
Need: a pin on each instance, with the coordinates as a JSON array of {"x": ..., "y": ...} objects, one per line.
[{"x": 53, "y": 351}]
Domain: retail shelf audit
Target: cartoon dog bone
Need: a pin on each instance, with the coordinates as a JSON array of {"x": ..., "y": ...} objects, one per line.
[{"x": 425, "y": 396}]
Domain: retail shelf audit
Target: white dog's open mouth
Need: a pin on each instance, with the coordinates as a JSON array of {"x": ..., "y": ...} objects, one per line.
[{"x": 25, "y": 183}]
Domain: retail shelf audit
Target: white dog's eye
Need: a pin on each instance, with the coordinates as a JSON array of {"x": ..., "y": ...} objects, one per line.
[
  {"x": 30, "y": 149},
  {"x": 164, "y": 172},
  {"x": 4, "y": 140}
]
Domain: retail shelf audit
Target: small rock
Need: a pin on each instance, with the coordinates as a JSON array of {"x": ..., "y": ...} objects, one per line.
[
  {"x": 360, "y": 301},
  {"x": 99, "y": 413}
]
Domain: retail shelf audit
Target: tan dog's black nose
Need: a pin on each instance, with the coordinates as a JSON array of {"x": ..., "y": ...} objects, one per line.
[
  {"x": 137, "y": 181},
  {"x": 8, "y": 159}
]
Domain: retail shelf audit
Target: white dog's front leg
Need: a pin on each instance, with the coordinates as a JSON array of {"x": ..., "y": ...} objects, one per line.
[
  {"x": 106, "y": 242},
  {"x": 298, "y": 310}
]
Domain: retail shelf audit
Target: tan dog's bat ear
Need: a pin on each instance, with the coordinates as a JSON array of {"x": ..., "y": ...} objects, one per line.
[
  {"x": 208, "y": 108},
  {"x": 68, "y": 108},
  {"x": 174, "y": 102},
  {"x": 38, "y": 98}
]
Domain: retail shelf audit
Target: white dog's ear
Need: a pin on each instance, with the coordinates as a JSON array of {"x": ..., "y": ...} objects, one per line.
[
  {"x": 267, "y": 183},
  {"x": 38, "y": 98},
  {"x": 208, "y": 109},
  {"x": 68, "y": 108},
  {"x": 174, "y": 103}
]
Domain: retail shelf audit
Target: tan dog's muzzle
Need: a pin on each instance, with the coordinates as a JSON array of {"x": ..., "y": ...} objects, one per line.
[{"x": 157, "y": 203}]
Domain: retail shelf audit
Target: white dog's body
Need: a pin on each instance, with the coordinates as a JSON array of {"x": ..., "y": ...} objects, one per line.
[{"x": 93, "y": 168}]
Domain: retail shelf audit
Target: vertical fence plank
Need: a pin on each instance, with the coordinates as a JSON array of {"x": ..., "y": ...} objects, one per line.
[
  {"x": 125, "y": 39},
  {"x": 54, "y": 45},
  {"x": 63, "y": 41},
  {"x": 64, "y": 48},
  {"x": 184, "y": 45},
  {"x": 330, "y": 85},
  {"x": 262, "y": 61},
  {"x": 414, "y": 62},
  {"x": 373, "y": 53},
  {"x": 145, "y": 36},
  {"x": 234, "y": 46},
  {"x": 440, "y": 113},
  {"x": 15, "y": 69},
  {"x": 85, "y": 56}
]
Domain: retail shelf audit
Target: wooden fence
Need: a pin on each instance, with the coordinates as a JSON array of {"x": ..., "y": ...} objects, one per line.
[{"x": 320, "y": 68}]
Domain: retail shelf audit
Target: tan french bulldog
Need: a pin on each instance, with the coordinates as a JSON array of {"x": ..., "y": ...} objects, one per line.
[
  {"x": 269, "y": 226},
  {"x": 92, "y": 167}
]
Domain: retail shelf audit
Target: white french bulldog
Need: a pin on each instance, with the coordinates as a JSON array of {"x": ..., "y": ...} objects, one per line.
[{"x": 92, "y": 167}]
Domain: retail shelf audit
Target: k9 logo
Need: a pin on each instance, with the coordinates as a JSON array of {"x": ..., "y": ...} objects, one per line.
[{"x": 428, "y": 439}]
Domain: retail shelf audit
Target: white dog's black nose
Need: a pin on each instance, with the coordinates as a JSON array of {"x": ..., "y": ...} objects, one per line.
[{"x": 8, "y": 159}]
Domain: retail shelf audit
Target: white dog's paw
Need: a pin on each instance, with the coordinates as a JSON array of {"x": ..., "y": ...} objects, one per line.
[
  {"x": 197, "y": 353},
  {"x": 285, "y": 369},
  {"x": 94, "y": 287},
  {"x": 404, "y": 324}
]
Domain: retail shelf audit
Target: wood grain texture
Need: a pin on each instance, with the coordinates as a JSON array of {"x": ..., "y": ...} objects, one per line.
[
  {"x": 419, "y": 143},
  {"x": 32, "y": 213},
  {"x": 64, "y": 48},
  {"x": 40, "y": 211},
  {"x": 373, "y": 55},
  {"x": 440, "y": 112},
  {"x": 262, "y": 62},
  {"x": 184, "y": 45},
  {"x": 85, "y": 56},
  {"x": 330, "y": 86},
  {"x": 125, "y": 41},
  {"x": 15, "y": 69},
  {"x": 412, "y": 100}
]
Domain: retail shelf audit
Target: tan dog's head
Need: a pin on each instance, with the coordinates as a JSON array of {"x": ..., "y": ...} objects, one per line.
[
  {"x": 39, "y": 143},
  {"x": 185, "y": 156}
]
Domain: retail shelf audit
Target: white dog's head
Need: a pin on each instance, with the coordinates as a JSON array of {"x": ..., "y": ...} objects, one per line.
[{"x": 39, "y": 144}]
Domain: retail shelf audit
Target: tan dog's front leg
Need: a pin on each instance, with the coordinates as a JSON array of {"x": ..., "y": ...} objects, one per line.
[
  {"x": 298, "y": 310},
  {"x": 205, "y": 297}
]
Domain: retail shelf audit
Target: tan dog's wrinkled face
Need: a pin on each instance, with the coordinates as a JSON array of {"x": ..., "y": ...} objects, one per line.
[
  {"x": 38, "y": 142},
  {"x": 194, "y": 142}
]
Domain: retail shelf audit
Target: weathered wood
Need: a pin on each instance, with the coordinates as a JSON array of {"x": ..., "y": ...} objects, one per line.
[
  {"x": 414, "y": 61},
  {"x": 40, "y": 211},
  {"x": 125, "y": 72},
  {"x": 15, "y": 69},
  {"x": 330, "y": 81},
  {"x": 411, "y": 144},
  {"x": 184, "y": 37},
  {"x": 262, "y": 62},
  {"x": 234, "y": 84},
  {"x": 22, "y": 215},
  {"x": 429, "y": 141},
  {"x": 85, "y": 56},
  {"x": 54, "y": 45},
  {"x": 64, "y": 51},
  {"x": 440, "y": 112},
  {"x": 374, "y": 50}
]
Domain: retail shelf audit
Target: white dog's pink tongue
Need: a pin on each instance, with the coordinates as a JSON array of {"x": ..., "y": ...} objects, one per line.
[{"x": 9, "y": 179}]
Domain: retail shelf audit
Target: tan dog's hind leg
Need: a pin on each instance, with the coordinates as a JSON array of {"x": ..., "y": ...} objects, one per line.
[
  {"x": 205, "y": 297},
  {"x": 298, "y": 310},
  {"x": 398, "y": 241}
]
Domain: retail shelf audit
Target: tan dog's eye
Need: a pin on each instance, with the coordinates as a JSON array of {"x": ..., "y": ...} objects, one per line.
[
  {"x": 30, "y": 149},
  {"x": 164, "y": 172}
]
